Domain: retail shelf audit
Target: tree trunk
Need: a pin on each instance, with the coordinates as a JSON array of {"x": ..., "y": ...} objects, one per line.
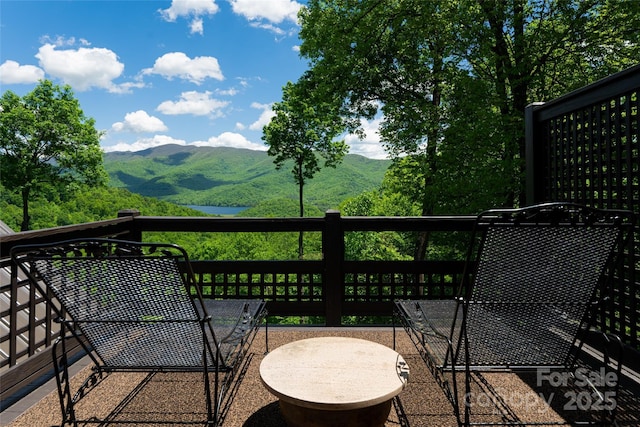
[
  {"x": 520, "y": 87},
  {"x": 433, "y": 135},
  {"x": 25, "y": 210},
  {"x": 301, "y": 204},
  {"x": 504, "y": 71}
]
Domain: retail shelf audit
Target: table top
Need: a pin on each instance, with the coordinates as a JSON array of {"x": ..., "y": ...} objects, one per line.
[{"x": 334, "y": 373}]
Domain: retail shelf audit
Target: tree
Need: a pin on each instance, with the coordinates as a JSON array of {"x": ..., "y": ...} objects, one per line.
[
  {"x": 396, "y": 58},
  {"x": 535, "y": 50},
  {"x": 393, "y": 58},
  {"x": 302, "y": 131},
  {"x": 451, "y": 79},
  {"x": 46, "y": 140}
]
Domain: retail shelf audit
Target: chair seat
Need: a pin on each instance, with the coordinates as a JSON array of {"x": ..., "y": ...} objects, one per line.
[
  {"x": 432, "y": 320},
  {"x": 539, "y": 336},
  {"x": 231, "y": 320}
]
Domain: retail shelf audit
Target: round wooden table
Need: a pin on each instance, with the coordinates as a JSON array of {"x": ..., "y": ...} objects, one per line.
[{"x": 334, "y": 381}]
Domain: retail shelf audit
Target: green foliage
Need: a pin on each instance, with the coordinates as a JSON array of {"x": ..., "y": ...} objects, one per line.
[
  {"x": 362, "y": 245},
  {"x": 245, "y": 246},
  {"x": 45, "y": 140},
  {"x": 88, "y": 204},
  {"x": 275, "y": 208},
  {"x": 452, "y": 79},
  {"x": 302, "y": 131},
  {"x": 388, "y": 245},
  {"x": 84, "y": 204}
]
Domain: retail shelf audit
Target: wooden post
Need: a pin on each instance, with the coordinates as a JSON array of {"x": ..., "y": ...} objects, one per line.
[
  {"x": 533, "y": 144},
  {"x": 333, "y": 256},
  {"x": 134, "y": 234}
]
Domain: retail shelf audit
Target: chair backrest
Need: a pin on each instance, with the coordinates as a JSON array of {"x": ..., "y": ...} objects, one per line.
[
  {"x": 538, "y": 272},
  {"x": 130, "y": 300}
]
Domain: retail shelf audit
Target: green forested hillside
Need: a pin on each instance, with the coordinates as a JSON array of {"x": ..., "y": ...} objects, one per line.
[
  {"x": 234, "y": 177},
  {"x": 174, "y": 175},
  {"x": 84, "y": 204}
]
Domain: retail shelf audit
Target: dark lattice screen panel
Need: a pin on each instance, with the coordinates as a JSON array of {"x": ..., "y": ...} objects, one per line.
[{"x": 585, "y": 147}]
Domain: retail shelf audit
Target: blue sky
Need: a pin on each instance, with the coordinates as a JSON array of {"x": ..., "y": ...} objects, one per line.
[{"x": 190, "y": 72}]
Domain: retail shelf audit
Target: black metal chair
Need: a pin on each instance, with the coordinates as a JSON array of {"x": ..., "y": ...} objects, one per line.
[
  {"x": 534, "y": 279},
  {"x": 135, "y": 307}
]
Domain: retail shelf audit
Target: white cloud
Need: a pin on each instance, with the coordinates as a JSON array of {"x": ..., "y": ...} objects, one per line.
[
  {"x": 275, "y": 11},
  {"x": 126, "y": 87},
  {"x": 228, "y": 92},
  {"x": 193, "y": 9},
  {"x": 84, "y": 68},
  {"x": 196, "y": 103},
  {"x": 230, "y": 139},
  {"x": 370, "y": 146},
  {"x": 270, "y": 27},
  {"x": 197, "y": 26},
  {"x": 225, "y": 139},
  {"x": 144, "y": 143},
  {"x": 265, "y": 116},
  {"x": 139, "y": 121},
  {"x": 177, "y": 64},
  {"x": 60, "y": 41},
  {"x": 12, "y": 72}
]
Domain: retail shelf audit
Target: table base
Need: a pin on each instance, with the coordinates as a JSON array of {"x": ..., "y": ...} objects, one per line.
[{"x": 372, "y": 416}]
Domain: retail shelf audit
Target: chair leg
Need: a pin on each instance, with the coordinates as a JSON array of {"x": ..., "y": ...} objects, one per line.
[
  {"x": 612, "y": 343},
  {"x": 393, "y": 323},
  {"x": 212, "y": 409},
  {"x": 266, "y": 335},
  {"x": 61, "y": 369},
  {"x": 212, "y": 415}
]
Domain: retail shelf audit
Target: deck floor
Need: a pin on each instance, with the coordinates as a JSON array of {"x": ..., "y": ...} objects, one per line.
[{"x": 171, "y": 397}]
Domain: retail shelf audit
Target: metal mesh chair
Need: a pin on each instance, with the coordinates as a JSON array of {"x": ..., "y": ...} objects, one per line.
[
  {"x": 537, "y": 277},
  {"x": 136, "y": 307}
]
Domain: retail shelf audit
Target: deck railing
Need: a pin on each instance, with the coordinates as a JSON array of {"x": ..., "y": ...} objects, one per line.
[{"x": 332, "y": 289}]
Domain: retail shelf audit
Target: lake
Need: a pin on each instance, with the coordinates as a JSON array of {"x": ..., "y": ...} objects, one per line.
[{"x": 219, "y": 210}]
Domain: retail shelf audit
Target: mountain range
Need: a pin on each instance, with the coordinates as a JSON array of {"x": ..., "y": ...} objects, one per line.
[{"x": 223, "y": 176}]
